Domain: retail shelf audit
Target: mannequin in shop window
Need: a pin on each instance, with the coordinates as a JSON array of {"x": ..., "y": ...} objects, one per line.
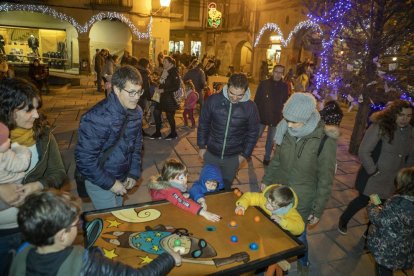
[
  {"x": 39, "y": 74},
  {"x": 33, "y": 44},
  {"x": 2, "y": 42}
]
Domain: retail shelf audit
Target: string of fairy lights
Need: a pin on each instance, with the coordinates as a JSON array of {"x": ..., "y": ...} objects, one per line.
[
  {"x": 335, "y": 16},
  {"x": 6, "y": 7}
]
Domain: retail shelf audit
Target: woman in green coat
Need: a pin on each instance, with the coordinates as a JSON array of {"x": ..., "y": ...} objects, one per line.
[{"x": 305, "y": 159}]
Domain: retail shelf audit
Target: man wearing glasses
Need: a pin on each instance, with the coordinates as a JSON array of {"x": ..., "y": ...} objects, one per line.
[
  {"x": 228, "y": 128},
  {"x": 108, "y": 153}
]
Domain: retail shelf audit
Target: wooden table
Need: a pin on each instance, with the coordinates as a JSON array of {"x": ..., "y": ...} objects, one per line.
[{"x": 117, "y": 231}]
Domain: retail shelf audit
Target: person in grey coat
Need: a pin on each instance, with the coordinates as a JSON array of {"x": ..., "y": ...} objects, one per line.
[{"x": 394, "y": 128}]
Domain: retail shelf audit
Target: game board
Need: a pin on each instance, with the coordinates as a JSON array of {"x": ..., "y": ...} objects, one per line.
[{"x": 136, "y": 234}]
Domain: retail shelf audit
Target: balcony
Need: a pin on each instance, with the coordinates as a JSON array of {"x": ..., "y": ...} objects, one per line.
[{"x": 111, "y": 5}]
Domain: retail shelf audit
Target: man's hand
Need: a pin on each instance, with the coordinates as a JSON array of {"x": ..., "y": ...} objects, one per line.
[
  {"x": 26, "y": 190},
  {"x": 241, "y": 159},
  {"x": 201, "y": 153},
  {"x": 118, "y": 188},
  {"x": 209, "y": 216},
  {"x": 312, "y": 220},
  {"x": 130, "y": 183}
]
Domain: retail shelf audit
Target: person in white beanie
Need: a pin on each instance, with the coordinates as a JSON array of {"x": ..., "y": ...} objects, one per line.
[{"x": 305, "y": 160}]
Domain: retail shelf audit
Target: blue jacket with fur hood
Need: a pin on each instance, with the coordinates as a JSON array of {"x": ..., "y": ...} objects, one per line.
[
  {"x": 100, "y": 129},
  {"x": 209, "y": 172}
]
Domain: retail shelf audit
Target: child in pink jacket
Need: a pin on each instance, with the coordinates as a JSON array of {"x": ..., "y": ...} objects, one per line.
[{"x": 190, "y": 103}]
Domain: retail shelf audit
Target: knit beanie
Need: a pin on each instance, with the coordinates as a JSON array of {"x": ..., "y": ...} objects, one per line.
[
  {"x": 4, "y": 133},
  {"x": 299, "y": 107}
]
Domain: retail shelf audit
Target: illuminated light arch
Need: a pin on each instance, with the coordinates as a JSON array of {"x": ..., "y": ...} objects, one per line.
[
  {"x": 6, "y": 7},
  {"x": 274, "y": 27}
]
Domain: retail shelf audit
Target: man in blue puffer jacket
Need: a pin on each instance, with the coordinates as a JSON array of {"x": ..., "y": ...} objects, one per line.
[
  {"x": 228, "y": 128},
  {"x": 108, "y": 153}
]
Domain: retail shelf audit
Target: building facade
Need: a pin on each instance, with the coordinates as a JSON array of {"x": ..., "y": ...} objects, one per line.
[{"x": 68, "y": 32}]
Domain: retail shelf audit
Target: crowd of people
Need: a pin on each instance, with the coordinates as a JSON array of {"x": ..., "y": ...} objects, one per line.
[{"x": 299, "y": 159}]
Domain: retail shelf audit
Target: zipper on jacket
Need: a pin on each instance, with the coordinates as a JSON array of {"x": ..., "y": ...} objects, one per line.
[{"x": 225, "y": 133}]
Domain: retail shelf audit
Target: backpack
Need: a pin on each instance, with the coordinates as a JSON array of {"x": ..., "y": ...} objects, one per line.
[{"x": 179, "y": 95}]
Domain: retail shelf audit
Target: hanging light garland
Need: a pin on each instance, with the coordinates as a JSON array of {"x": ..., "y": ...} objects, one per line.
[
  {"x": 6, "y": 7},
  {"x": 274, "y": 27}
]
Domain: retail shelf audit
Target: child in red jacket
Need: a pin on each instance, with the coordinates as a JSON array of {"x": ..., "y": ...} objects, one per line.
[{"x": 172, "y": 186}]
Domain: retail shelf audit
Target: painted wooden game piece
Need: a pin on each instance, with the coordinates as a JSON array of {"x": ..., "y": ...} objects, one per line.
[
  {"x": 253, "y": 246},
  {"x": 234, "y": 238},
  {"x": 256, "y": 218}
]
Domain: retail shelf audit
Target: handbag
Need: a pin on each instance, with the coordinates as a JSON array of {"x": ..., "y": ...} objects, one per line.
[
  {"x": 156, "y": 97},
  {"x": 80, "y": 179},
  {"x": 362, "y": 175}
]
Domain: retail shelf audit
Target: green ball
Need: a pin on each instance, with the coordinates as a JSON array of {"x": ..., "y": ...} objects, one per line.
[{"x": 177, "y": 243}]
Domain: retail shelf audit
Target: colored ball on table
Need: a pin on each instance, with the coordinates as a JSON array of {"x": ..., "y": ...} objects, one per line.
[
  {"x": 234, "y": 239},
  {"x": 253, "y": 246},
  {"x": 256, "y": 218},
  {"x": 233, "y": 223},
  {"x": 177, "y": 243}
]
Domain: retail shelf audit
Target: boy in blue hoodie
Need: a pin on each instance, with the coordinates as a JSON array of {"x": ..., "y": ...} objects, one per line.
[{"x": 210, "y": 181}]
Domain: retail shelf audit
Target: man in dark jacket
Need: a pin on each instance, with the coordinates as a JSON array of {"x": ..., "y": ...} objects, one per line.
[
  {"x": 197, "y": 76},
  {"x": 270, "y": 97},
  {"x": 113, "y": 125},
  {"x": 228, "y": 128}
]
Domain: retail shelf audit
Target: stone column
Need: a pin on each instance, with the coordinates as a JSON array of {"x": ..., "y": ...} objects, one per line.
[
  {"x": 140, "y": 48},
  {"x": 84, "y": 62}
]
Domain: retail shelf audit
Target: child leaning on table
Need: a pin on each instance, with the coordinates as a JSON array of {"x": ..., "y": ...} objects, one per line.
[
  {"x": 210, "y": 181},
  {"x": 49, "y": 221},
  {"x": 280, "y": 203},
  {"x": 172, "y": 186}
]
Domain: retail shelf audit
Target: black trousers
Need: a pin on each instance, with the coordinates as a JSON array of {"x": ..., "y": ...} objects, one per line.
[
  {"x": 170, "y": 118},
  {"x": 361, "y": 201},
  {"x": 382, "y": 270}
]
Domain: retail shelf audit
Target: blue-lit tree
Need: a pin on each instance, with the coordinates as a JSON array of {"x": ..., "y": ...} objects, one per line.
[{"x": 367, "y": 52}]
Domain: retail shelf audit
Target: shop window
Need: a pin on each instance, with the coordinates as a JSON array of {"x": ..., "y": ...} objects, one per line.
[
  {"x": 175, "y": 46},
  {"x": 196, "y": 48}
]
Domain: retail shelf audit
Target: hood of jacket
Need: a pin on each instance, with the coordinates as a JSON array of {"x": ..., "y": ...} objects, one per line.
[
  {"x": 211, "y": 172},
  {"x": 245, "y": 98}
]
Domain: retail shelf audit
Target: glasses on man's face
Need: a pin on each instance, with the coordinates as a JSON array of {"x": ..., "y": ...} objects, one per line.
[{"x": 134, "y": 93}]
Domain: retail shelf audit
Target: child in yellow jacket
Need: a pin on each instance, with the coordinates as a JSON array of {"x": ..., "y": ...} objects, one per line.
[{"x": 280, "y": 203}]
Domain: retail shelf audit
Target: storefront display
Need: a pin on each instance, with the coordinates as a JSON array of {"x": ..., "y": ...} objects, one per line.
[{"x": 23, "y": 45}]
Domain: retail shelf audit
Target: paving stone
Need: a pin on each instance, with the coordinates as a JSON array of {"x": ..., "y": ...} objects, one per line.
[
  {"x": 192, "y": 160},
  {"x": 184, "y": 147},
  {"x": 363, "y": 265},
  {"x": 349, "y": 166},
  {"x": 347, "y": 179},
  {"x": 250, "y": 175},
  {"x": 322, "y": 249}
]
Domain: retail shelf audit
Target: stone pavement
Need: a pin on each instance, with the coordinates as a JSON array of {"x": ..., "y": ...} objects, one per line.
[{"x": 330, "y": 252}]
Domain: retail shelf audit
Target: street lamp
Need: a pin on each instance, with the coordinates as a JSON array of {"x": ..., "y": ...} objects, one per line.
[{"x": 165, "y": 3}]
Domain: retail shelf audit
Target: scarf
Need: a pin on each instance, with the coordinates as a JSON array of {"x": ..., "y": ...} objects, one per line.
[
  {"x": 308, "y": 127},
  {"x": 22, "y": 136},
  {"x": 283, "y": 210}
]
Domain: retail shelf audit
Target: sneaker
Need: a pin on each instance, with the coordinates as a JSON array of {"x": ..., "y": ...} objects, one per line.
[
  {"x": 155, "y": 136},
  {"x": 342, "y": 227},
  {"x": 171, "y": 136},
  {"x": 266, "y": 162}
]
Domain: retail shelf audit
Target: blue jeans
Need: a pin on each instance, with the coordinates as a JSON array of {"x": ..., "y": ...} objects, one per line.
[
  {"x": 304, "y": 261},
  {"x": 102, "y": 199},
  {"x": 271, "y": 131},
  {"x": 8, "y": 245}
]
